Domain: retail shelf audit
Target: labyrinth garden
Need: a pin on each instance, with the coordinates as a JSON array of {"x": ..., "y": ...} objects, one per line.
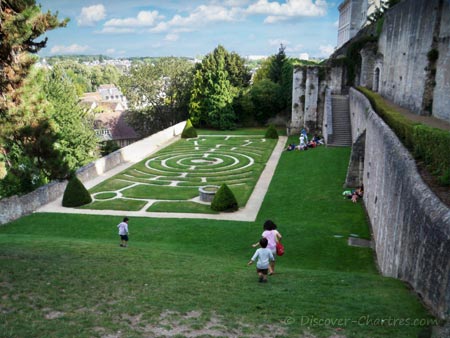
[{"x": 170, "y": 179}]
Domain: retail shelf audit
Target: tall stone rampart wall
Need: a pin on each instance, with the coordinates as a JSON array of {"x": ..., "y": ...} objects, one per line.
[
  {"x": 308, "y": 95},
  {"x": 409, "y": 33},
  {"x": 15, "y": 207},
  {"x": 441, "y": 98},
  {"x": 411, "y": 226}
]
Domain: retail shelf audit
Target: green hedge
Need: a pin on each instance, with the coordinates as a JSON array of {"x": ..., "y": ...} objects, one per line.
[
  {"x": 431, "y": 145},
  {"x": 75, "y": 194},
  {"x": 271, "y": 132},
  {"x": 224, "y": 200},
  {"x": 189, "y": 130}
]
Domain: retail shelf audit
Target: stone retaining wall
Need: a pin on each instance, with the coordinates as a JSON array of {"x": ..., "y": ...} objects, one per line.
[
  {"x": 15, "y": 207},
  {"x": 411, "y": 226}
]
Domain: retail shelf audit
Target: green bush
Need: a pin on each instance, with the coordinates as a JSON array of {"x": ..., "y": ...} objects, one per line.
[
  {"x": 224, "y": 200},
  {"x": 271, "y": 132},
  {"x": 75, "y": 194},
  {"x": 189, "y": 130},
  {"x": 431, "y": 145}
]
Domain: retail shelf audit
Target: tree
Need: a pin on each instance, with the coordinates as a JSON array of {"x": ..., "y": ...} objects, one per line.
[
  {"x": 57, "y": 139},
  {"x": 263, "y": 71},
  {"x": 217, "y": 82},
  {"x": 238, "y": 73},
  {"x": 278, "y": 69},
  {"x": 267, "y": 100},
  {"x": 22, "y": 23},
  {"x": 158, "y": 93},
  {"x": 276, "y": 66},
  {"x": 77, "y": 141}
]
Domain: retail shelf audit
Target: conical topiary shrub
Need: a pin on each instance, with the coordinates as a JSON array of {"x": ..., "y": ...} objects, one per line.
[
  {"x": 271, "y": 132},
  {"x": 224, "y": 200},
  {"x": 75, "y": 194},
  {"x": 189, "y": 130}
]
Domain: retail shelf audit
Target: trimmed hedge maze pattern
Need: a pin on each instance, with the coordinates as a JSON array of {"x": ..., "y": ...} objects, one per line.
[{"x": 175, "y": 173}]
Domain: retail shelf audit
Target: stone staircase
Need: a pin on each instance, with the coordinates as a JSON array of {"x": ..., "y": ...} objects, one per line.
[{"x": 342, "y": 131}]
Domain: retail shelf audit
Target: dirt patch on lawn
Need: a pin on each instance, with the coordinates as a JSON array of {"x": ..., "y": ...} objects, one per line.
[
  {"x": 193, "y": 324},
  {"x": 198, "y": 324}
]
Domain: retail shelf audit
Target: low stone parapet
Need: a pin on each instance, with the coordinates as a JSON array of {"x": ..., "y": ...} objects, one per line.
[{"x": 17, "y": 206}]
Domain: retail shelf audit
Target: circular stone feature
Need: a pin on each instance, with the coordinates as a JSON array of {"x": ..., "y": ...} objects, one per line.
[{"x": 208, "y": 192}]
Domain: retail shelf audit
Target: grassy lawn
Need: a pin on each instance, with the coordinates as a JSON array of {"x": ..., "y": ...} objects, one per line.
[
  {"x": 66, "y": 276},
  {"x": 176, "y": 172}
]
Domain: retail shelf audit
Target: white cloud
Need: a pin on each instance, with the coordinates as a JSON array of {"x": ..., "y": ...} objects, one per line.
[
  {"x": 72, "y": 49},
  {"x": 110, "y": 51},
  {"x": 172, "y": 37},
  {"x": 292, "y": 8},
  {"x": 116, "y": 30},
  {"x": 235, "y": 3},
  {"x": 143, "y": 19},
  {"x": 326, "y": 50},
  {"x": 201, "y": 15},
  {"x": 92, "y": 14},
  {"x": 304, "y": 56}
]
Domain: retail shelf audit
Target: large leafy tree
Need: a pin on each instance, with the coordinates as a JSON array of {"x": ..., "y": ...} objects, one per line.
[
  {"x": 267, "y": 99},
  {"x": 217, "y": 82},
  {"x": 77, "y": 141},
  {"x": 21, "y": 24},
  {"x": 276, "y": 66},
  {"x": 35, "y": 138},
  {"x": 278, "y": 70},
  {"x": 158, "y": 93},
  {"x": 58, "y": 139}
]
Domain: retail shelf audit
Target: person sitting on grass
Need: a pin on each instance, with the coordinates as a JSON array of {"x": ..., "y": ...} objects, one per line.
[
  {"x": 291, "y": 147},
  {"x": 357, "y": 194},
  {"x": 318, "y": 140},
  {"x": 354, "y": 194},
  {"x": 264, "y": 257}
]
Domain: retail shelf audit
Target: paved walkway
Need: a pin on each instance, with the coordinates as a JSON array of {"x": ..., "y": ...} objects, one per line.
[
  {"x": 246, "y": 214},
  {"x": 427, "y": 120}
]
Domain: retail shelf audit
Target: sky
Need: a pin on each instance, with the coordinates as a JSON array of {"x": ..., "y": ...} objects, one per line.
[{"x": 191, "y": 28}]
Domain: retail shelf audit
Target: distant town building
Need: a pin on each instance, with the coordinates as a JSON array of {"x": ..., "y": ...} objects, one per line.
[
  {"x": 353, "y": 16},
  {"x": 109, "y": 106},
  {"x": 110, "y": 93}
]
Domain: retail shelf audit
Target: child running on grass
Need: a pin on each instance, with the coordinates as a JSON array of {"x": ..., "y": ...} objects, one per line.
[
  {"x": 264, "y": 256},
  {"x": 123, "y": 232}
]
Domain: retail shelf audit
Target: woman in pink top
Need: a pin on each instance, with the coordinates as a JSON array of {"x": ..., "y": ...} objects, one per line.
[{"x": 273, "y": 236}]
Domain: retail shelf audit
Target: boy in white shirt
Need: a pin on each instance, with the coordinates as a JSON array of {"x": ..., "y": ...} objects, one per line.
[
  {"x": 123, "y": 232},
  {"x": 264, "y": 257}
]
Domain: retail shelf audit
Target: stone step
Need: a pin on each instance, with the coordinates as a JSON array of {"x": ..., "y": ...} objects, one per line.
[{"x": 342, "y": 134}]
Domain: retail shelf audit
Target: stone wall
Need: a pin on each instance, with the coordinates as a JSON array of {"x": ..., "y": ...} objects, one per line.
[
  {"x": 298, "y": 100},
  {"x": 441, "y": 98},
  {"x": 410, "y": 31},
  {"x": 327, "y": 128},
  {"x": 15, "y": 207},
  {"x": 411, "y": 226},
  {"x": 307, "y": 103}
]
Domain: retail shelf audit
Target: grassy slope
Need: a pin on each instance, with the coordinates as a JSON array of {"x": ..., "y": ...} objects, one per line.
[{"x": 72, "y": 268}]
